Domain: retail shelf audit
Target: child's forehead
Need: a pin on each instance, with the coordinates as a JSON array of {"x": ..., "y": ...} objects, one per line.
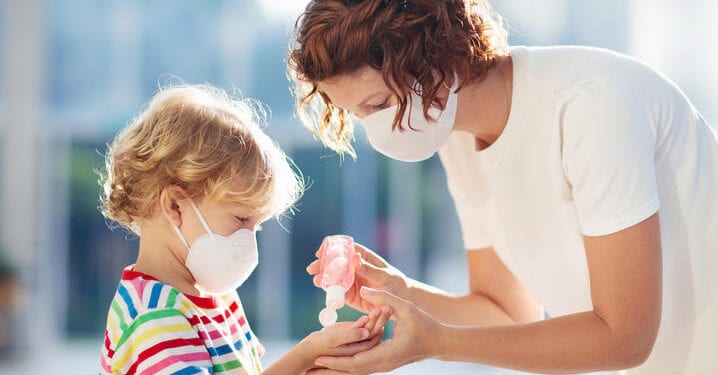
[
  {"x": 227, "y": 202},
  {"x": 244, "y": 207}
]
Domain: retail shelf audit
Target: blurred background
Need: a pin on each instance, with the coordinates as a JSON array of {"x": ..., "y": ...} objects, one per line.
[{"x": 73, "y": 72}]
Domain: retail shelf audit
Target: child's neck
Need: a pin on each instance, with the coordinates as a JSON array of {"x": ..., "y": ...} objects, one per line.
[{"x": 158, "y": 259}]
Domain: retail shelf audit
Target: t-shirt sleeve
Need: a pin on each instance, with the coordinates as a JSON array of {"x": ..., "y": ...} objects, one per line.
[
  {"x": 474, "y": 221},
  {"x": 608, "y": 146},
  {"x": 160, "y": 341},
  {"x": 258, "y": 349}
]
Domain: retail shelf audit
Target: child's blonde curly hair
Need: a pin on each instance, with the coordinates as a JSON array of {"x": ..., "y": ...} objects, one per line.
[{"x": 198, "y": 138}]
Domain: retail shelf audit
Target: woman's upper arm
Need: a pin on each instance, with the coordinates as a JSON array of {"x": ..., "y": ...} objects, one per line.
[
  {"x": 625, "y": 271},
  {"x": 489, "y": 277}
]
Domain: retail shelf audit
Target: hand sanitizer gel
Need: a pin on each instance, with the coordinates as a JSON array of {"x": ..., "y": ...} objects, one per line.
[{"x": 336, "y": 274}]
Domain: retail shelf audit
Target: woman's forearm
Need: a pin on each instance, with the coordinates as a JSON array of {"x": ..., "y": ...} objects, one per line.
[
  {"x": 569, "y": 344},
  {"x": 471, "y": 309}
]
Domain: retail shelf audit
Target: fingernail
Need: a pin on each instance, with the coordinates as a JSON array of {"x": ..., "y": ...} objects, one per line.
[{"x": 367, "y": 290}]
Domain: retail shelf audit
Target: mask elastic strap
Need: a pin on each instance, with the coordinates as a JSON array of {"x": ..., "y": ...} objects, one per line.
[
  {"x": 452, "y": 99},
  {"x": 201, "y": 218},
  {"x": 181, "y": 236}
]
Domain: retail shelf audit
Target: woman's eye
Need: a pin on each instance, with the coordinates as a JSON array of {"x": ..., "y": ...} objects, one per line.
[{"x": 381, "y": 105}]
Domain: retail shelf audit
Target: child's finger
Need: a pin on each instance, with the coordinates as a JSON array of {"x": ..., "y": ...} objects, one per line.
[
  {"x": 356, "y": 347},
  {"x": 347, "y": 336},
  {"x": 383, "y": 317},
  {"x": 371, "y": 322},
  {"x": 315, "y": 280},
  {"x": 360, "y": 323}
]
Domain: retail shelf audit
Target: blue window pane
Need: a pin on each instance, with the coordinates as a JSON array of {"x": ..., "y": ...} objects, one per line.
[{"x": 79, "y": 56}]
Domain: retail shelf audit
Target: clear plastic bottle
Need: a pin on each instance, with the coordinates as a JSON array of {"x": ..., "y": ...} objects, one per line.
[{"x": 336, "y": 274}]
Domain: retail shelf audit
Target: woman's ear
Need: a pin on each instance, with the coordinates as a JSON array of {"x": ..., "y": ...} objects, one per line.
[{"x": 172, "y": 199}]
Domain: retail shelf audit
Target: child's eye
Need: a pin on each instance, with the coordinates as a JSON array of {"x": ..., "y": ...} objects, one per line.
[{"x": 242, "y": 219}]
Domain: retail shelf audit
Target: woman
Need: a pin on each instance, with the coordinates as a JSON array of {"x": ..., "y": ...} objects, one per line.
[{"x": 585, "y": 184}]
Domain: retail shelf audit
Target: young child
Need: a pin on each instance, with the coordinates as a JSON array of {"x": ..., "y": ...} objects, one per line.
[{"x": 193, "y": 175}]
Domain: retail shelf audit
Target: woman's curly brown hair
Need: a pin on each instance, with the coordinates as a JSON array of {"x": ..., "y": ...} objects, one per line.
[{"x": 409, "y": 41}]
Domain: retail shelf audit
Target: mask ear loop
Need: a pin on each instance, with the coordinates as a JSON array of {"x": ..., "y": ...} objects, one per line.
[
  {"x": 201, "y": 219},
  {"x": 454, "y": 86},
  {"x": 451, "y": 99},
  {"x": 181, "y": 236},
  {"x": 454, "y": 83}
]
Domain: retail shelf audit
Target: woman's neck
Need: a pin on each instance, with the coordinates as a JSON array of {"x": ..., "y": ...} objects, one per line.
[
  {"x": 484, "y": 105},
  {"x": 159, "y": 258}
]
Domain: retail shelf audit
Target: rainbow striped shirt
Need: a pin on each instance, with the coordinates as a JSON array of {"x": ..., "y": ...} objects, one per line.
[{"x": 153, "y": 328}]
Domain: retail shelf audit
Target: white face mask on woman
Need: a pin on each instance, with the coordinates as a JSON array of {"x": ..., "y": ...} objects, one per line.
[
  {"x": 220, "y": 264},
  {"x": 421, "y": 140}
]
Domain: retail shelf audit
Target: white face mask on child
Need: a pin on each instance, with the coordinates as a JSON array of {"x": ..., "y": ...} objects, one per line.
[{"x": 220, "y": 264}]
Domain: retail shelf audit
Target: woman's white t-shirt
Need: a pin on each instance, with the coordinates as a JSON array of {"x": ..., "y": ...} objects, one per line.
[{"x": 595, "y": 143}]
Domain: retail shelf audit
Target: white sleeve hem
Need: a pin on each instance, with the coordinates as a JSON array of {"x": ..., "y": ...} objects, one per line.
[
  {"x": 478, "y": 248},
  {"x": 614, "y": 225}
]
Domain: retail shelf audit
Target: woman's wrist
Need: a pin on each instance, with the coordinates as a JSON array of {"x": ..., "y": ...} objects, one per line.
[
  {"x": 437, "y": 348},
  {"x": 410, "y": 290},
  {"x": 419, "y": 293}
]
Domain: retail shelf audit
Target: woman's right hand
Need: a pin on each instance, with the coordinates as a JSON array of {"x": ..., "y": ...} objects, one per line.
[{"x": 371, "y": 271}]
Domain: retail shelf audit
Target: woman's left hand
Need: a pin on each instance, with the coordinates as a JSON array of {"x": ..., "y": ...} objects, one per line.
[{"x": 415, "y": 339}]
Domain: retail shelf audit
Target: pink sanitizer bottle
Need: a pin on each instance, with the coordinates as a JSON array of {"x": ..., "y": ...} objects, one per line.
[{"x": 336, "y": 274}]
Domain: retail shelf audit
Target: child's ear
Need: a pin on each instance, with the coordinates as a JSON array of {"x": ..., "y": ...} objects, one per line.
[{"x": 172, "y": 201}]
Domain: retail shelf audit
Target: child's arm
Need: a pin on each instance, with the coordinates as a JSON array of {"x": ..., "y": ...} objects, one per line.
[
  {"x": 157, "y": 340},
  {"x": 341, "y": 339}
]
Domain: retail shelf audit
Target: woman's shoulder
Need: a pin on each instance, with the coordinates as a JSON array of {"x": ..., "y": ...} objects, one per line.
[
  {"x": 558, "y": 52},
  {"x": 575, "y": 61},
  {"x": 566, "y": 70}
]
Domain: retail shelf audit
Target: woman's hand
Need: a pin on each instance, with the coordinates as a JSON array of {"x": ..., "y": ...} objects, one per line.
[
  {"x": 415, "y": 338},
  {"x": 371, "y": 271}
]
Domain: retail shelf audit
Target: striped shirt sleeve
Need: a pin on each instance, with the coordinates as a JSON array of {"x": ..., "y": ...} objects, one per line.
[{"x": 160, "y": 341}]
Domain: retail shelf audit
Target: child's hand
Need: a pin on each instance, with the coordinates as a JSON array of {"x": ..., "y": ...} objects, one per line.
[
  {"x": 341, "y": 338},
  {"x": 348, "y": 338},
  {"x": 377, "y": 318},
  {"x": 374, "y": 323}
]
